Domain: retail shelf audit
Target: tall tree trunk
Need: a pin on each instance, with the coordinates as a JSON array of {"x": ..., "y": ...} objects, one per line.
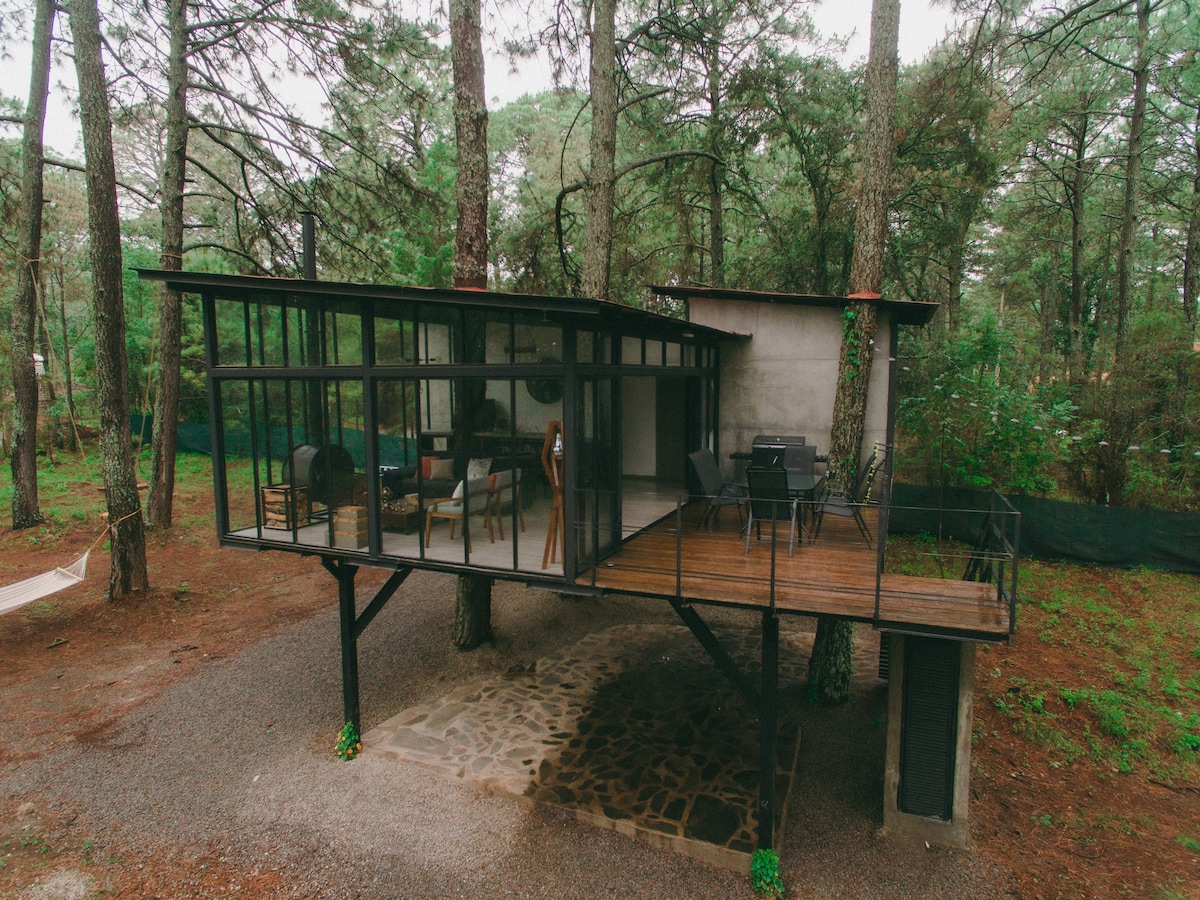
[
  {"x": 66, "y": 360},
  {"x": 127, "y": 570},
  {"x": 470, "y": 128},
  {"x": 160, "y": 498},
  {"x": 1133, "y": 180},
  {"x": 602, "y": 146},
  {"x": 831, "y": 662},
  {"x": 1075, "y": 313},
  {"x": 870, "y": 244},
  {"x": 473, "y": 594},
  {"x": 822, "y": 202},
  {"x": 472, "y": 611},
  {"x": 23, "y": 458},
  {"x": 716, "y": 170},
  {"x": 954, "y": 265},
  {"x": 1191, "y": 252},
  {"x": 1047, "y": 317}
]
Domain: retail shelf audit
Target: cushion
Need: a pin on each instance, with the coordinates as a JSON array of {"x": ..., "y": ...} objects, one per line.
[
  {"x": 438, "y": 468},
  {"x": 477, "y": 487},
  {"x": 478, "y": 468}
]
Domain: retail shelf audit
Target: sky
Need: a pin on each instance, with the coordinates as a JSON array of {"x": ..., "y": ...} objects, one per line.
[{"x": 922, "y": 24}]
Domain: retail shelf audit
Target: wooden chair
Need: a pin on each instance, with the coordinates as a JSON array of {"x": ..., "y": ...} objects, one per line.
[
  {"x": 505, "y": 489},
  {"x": 457, "y": 506}
]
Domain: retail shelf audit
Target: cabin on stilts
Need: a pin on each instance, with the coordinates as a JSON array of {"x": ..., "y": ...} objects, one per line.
[{"x": 546, "y": 440}]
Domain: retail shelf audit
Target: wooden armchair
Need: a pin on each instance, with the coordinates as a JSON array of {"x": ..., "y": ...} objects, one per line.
[
  {"x": 469, "y": 498},
  {"x": 505, "y": 490}
]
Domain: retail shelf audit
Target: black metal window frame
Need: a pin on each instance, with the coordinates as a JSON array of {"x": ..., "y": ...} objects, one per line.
[{"x": 697, "y": 354}]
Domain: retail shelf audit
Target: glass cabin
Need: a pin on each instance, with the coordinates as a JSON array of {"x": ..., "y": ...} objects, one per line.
[{"x": 447, "y": 429}]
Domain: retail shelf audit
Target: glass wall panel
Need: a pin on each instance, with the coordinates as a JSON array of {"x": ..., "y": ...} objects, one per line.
[
  {"x": 232, "y": 348},
  {"x": 295, "y": 460},
  {"x": 495, "y": 451},
  {"x": 598, "y": 498},
  {"x": 463, "y": 498},
  {"x": 631, "y": 351},
  {"x": 488, "y": 336},
  {"x": 343, "y": 334},
  {"x": 395, "y": 341},
  {"x": 439, "y": 335},
  {"x": 536, "y": 406},
  {"x": 654, "y": 353},
  {"x": 689, "y": 355},
  {"x": 536, "y": 340},
  {"x": 435, "y": 402},
  {"x": 301, "y": 327},
  {"x": 266, "y": 334},
  {"x": 238, "y": 461},
  {"x": 585, "y": 347},
  {"x": 400, "y": 512},
  {"x": 673, "y": 356},
  {"x": 396, "y": 421}
]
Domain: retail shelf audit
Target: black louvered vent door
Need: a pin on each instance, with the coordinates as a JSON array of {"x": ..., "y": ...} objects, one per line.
[{"x": 929, "y": 727}]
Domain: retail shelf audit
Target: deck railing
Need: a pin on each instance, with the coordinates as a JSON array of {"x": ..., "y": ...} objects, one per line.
[{"x": 667, "y": 551}]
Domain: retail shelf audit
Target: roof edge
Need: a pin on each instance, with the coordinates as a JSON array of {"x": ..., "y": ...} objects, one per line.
[{"x": 906, "y": 312}]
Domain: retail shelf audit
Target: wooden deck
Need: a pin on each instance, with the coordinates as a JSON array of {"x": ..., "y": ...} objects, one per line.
[{"x": 836, "y": 576}]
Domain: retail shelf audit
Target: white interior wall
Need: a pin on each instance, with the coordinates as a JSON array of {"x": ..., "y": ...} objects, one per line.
[{"x": 638, "y": 415}]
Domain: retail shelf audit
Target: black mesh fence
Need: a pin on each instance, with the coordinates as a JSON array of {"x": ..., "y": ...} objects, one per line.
[
  {"x": 193, "y": 437},
  {"x": 1054, "y": 530}
]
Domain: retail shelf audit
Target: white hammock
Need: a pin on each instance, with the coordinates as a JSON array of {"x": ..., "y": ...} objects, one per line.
[{"x": 17, "y": 595}]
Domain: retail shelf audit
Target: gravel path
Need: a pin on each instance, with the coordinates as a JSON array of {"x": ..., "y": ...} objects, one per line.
[{"x": 237, "y": 760}]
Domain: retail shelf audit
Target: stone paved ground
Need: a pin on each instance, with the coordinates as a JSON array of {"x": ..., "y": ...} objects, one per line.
[{"x": 631, "y": 728}]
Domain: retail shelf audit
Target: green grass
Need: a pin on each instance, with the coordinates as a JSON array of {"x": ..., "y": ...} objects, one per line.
[
  {"x": 1135, "y": 694},
  {"x": 71, "y": 492}
]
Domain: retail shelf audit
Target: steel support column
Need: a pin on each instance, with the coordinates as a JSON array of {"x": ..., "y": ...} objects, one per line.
[
  {"x": 352, "y": 625},
  {"x": 719, "y": 655},
  {"x": 768, "y": 718},
  {"x": 344, "y": 572}
]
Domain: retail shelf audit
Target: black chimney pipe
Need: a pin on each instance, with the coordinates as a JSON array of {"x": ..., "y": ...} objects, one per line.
[{"x": 308, "y": 229}]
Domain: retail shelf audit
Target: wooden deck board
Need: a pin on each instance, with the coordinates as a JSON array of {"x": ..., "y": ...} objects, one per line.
[{"x": 835, "y": 576}]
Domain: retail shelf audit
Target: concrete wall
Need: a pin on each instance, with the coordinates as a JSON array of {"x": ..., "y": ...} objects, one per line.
[
  {"x": 784, "y": 379},
  {"x": 905, "y": 826}
]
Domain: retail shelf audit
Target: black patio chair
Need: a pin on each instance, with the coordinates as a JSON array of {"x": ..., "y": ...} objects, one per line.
[
  {"x": 718, "y": 491},
  {"x": 770, "y": 501},
  {"x": 800, "y": 459},
  {"x": 848, "y": 505}
]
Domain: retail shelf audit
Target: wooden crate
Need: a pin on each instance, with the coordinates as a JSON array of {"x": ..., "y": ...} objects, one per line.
[
  {"x": 350, "y": 527},
  {"x": 284, "y": 506}
]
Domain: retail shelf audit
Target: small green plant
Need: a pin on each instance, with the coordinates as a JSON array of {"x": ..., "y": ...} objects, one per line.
[
  {"x": 348, "y": 743},
  {"x": 1189, "y": 842},
  {"x": 851, "y": 342},
  {"x": 1072, "y": 697},
  {"x": 36, "y": 843},
  {"x": 1186, "y": 744},
  {"x": 765, "y": 877}
]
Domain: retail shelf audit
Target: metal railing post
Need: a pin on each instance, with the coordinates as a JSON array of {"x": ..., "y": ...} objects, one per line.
[
  {"x": 678, "y": 548},
  {"x": 774, "y": 520}
]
